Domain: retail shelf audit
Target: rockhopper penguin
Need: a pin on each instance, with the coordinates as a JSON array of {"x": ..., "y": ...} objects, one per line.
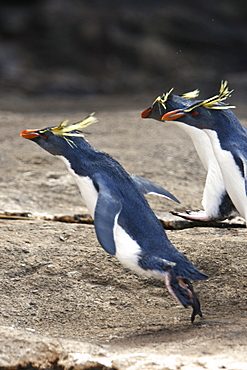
[
  {"x": 124, "y": 223},
  {"x": 216, "y": 201},
  {"x": 227, "y": 137}
]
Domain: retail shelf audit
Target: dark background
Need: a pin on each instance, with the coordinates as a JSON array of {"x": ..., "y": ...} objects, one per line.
[{"x": 122, "y": 47}]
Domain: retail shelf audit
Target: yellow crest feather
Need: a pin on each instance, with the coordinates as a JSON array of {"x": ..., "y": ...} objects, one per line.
[
  {"x": 191, "y": 94},
  {"x": 213, "y": 102},
  {"x": 163, "y": 98},
  {"x": 65, "y": 130}
]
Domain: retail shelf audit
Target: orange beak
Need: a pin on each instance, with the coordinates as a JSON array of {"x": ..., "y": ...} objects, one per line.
[
  {"x": 29, "y": 134},
  {"x": 146, "y": 112},
  {"x": 173, "y": 115}
]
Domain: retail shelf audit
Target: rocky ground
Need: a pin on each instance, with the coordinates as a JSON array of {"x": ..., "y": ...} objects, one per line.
[{"x": 64, "y": 301}]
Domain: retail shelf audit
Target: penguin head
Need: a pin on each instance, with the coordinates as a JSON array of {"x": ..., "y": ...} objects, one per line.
[
  {"x": 59, "y": 139},
  {"x": 46, "y": 139},
  {"x": 204, "y": 114},
  {"x": 168, "y": 102},
  {"x": 198, "y": 117}
]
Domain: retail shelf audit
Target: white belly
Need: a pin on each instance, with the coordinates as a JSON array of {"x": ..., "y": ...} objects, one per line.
[
  {"x": 214, "y": 185},
  {"x": 213, "y": 190},
  {"x": 86, "y": 187},
  {"x": 232, "y": 176},
  {"x": 128, "y": 251}
]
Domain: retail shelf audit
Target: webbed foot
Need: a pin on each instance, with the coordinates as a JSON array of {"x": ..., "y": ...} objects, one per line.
[{"x": 197, "y": 215}]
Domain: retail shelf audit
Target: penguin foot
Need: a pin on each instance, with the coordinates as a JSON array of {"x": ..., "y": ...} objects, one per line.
[
  {"x": 182, "y": 290},
  {"x": 197, "y": 215}
]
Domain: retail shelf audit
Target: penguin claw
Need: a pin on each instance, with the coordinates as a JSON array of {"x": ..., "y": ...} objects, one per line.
[
  {"x": 182, "y": 290},
  {"x": 197, "y": 215},
  {"x": 186, "y": 284}
]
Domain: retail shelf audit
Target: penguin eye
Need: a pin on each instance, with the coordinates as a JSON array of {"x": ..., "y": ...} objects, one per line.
[
  {"x": 45, "y": 136},
  {"x": 195, "y": 113}
]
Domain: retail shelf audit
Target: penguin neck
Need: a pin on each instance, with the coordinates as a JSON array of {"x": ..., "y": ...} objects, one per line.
[
  {"x": 226, "y": 125},
  {"x": 81, "y": 157}
]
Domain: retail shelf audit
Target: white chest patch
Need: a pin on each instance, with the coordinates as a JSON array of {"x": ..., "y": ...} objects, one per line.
[
  {"x": 233, "y": 179},
  {"x": 128, "y": 252},
  {"x": 201, "y": 142},
  {"x": 86, "y": 187},
  {"x": 214, "y": 185}
]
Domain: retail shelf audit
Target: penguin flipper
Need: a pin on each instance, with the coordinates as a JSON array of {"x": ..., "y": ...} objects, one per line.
[
  {"x": 245, "y": 176},
  {"x": 148, "y": 187},
  {"x": 107, "y": 208},
  {"x": 242, "y": 164}
]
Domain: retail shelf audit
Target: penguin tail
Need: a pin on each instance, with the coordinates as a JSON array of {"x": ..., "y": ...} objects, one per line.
[
  {"x": 186, "y": 270},
  {"x": 182, "y": 290},
  {"x": 192, "y": 273}
]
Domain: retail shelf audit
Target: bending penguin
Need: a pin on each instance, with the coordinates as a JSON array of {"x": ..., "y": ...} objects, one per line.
[
  {"x": 124, "y": 223},
  {"x": 216, "y": 201},
  {"x": 228, "y": 139}
]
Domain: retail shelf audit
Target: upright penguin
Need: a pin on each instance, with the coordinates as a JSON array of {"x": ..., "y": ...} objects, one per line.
[
  {"x": 124, "y": 223},
  {"x": 228, "y": 139},
  {"x": 216, "y": 201}
]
